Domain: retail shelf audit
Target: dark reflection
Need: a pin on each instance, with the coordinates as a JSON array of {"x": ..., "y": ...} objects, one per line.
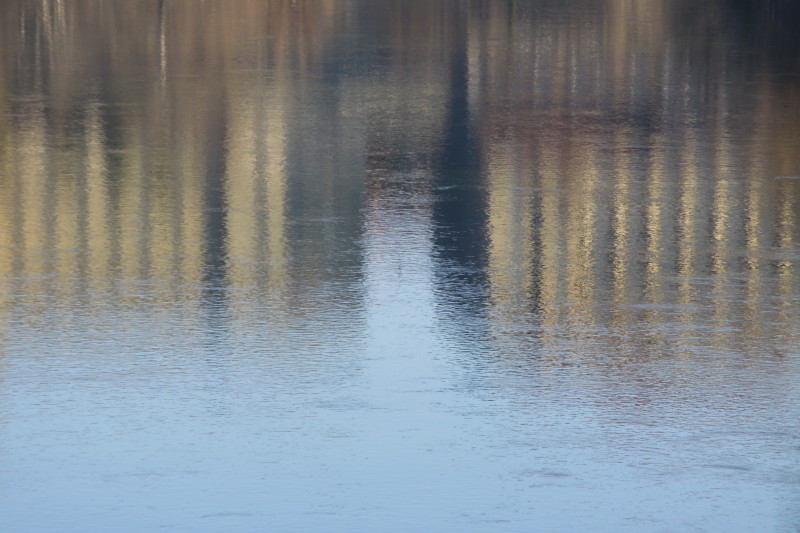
[
  {"x": 762, "y": 33},
  {"x": 459, "y": 208},
  {"x": 215, "y": 233}
]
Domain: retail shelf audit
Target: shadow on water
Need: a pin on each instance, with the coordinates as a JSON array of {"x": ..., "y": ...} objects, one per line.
[
  {"x": 766, "y": 30},
  {"x": 459, "y": 214},
  {"x": 215, "y": 233}
]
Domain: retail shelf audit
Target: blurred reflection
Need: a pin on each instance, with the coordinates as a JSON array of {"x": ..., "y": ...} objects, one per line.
[
  {"x": 342, "y": 214},
  {"x": 620, "y": 197},
  {"x": 459, "y": 211},
  {"x": 583, "y": 172}
]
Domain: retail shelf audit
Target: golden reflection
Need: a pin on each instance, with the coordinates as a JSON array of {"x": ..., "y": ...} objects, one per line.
[
  {"x": 128, "y": 122},
  {"x": 787, "y": 235},
  {"x": 98, "y": 215},
  {"x": 550, "y": 230},
  {"x": 163, "y": 140},
  {"x": 667, "y": 215},
  {"x": 621, "y": 208},
  {"x": 31, "y": 176},
  {"x": 655, "y": 255},
  {"x": 256, "y": 182},
  {"x": 581, "y": 234}
]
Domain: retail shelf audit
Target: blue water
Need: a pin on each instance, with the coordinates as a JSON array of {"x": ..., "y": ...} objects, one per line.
[{"x": 403, "y": 266}]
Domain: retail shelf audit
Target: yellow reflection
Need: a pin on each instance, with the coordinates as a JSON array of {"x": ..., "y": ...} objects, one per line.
[
  {"x": 98, "y": 214},
  {"x": 31, "y": 173},
  {"x": 255, "y": 183},
  {"x": 509, "y": 223},
  {"x": 668, "y": 219},
  {"x": 654, "y": 217},
  {"x": 620, "y": 215},
  {"x": 611, "y": 171}
]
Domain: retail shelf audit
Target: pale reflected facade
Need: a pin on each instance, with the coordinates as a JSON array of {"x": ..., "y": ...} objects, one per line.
[
  {"x": 590, "y": 205},
  {"x": 399, "y": 265},
  {"x": 234, "y": 148},
  {"x": 180, "y": 158}
]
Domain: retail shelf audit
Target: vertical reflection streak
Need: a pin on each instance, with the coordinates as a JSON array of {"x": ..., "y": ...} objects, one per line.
[
  {"x": 787, "y": 240},
  {"x": 256, "y": 185},
  {"x": 686, "y": 232},
  {"x": 276, "y": 193},
  {"x": 551, "y": 238},
  {"x": 655, "y": 222},
  {"x": 98, "y": 215},
  {"x": 67, "y": 227},
  {"x": 622, "y": 203},
  {"x": 39, "y": 237},
  {"x": 242, "y": 161},
  {"x": 162, "y": 42},
  {"x": 788, "y": 263},
  {"x": 582, "y": 224},
  {"x": 131, "y": 213},
  {"x": 510, "y": 267},
  {"x": 723, "y": 317},
  {"x": 755, "y": 226}
]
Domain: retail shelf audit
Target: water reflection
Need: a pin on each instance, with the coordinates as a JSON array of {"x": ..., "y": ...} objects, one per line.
[
  {"x": 375, "y": 250},
  {"x": 617, "y": 190}
]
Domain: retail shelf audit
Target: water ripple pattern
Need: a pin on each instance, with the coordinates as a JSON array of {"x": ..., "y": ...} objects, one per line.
[{"x": 399, "y": 265}]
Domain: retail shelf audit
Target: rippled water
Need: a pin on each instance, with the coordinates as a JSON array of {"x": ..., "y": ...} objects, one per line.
[{"x": 349, "y": 265}]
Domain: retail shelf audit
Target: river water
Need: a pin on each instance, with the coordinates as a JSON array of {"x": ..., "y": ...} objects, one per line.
[{"x": 401, "y": 265}]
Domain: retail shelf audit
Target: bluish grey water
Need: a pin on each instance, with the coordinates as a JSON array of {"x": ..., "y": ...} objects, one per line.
[{"x": 350, "y": 265}]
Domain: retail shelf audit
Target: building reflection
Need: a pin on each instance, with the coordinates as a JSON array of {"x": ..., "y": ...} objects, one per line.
[
  {"x": 582, "y": 172},
  {"x": 145, "y": 156},
  {"x": 632, "y": 194}
]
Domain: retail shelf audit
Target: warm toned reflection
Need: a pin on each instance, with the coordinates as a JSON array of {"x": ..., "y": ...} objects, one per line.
[
  {"x": 227, "y": 145},
  {"x": 132, "y": 128},
  {"x": 675, "y": 217},
  {"x": 399, "y": 265}
]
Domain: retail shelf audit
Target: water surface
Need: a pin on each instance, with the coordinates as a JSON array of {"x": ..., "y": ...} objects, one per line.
[{"x": 349, "y": 265}]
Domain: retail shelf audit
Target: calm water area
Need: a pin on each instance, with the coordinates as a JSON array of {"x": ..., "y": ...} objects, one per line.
[{"x": 399, "y": 266}]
